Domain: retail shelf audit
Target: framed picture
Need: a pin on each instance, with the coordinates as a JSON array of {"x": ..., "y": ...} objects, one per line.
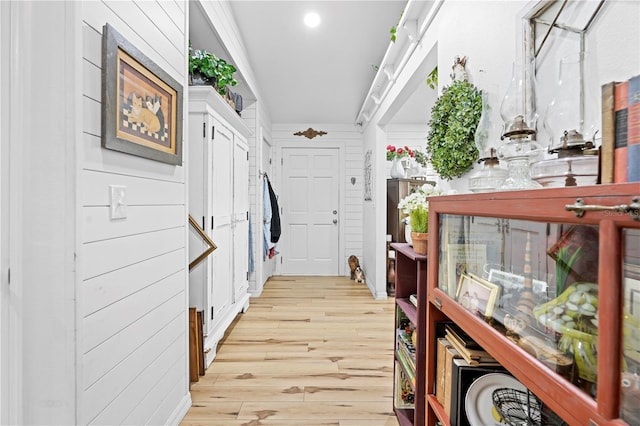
[
  {"x": 141, "y": 103},
  {"x": 477, "y": 295},
  {"x": 464, "y": 258}
]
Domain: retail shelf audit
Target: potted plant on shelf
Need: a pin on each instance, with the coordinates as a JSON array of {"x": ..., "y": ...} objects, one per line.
[
  {"x": 395, "y": 155},
  {"x": 416, "y": 207},
  {"x": 207, "y": 69}
]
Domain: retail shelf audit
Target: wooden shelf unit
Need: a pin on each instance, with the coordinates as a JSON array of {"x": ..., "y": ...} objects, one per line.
[
  {"x": 411, "y": 278},
  {"x": 540, "y": 208}
]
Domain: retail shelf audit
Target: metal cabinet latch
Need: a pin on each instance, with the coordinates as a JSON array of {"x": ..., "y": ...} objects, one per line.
[{"x": 579, "y": 208}]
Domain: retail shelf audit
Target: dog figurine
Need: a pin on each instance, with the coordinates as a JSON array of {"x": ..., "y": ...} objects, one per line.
[
  {"x": 359, "y": 274},
  {"x": 353, "y": 264}
]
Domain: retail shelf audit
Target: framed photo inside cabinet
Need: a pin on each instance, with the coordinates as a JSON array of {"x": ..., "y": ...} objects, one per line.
[
  {"x": 464, "y": 258},
  {"x": 477, "y": 295},
  {"x": 141, "y": 103}
]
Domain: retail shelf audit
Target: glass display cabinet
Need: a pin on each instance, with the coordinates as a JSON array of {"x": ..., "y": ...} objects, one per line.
[{"x": 548, "y": 282}]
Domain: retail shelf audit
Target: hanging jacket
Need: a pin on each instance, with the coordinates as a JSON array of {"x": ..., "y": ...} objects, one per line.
[
  {"x": 275, "y": 215},
  {"x": 266, "y": 217}
]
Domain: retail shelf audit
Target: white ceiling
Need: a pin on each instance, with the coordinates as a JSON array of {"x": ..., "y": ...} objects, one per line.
[{"x": 318, "y": 75}]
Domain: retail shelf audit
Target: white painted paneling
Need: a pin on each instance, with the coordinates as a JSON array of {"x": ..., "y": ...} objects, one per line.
[
  {"x": 109, "y": 255},
  {"x": 134, "y": 292},
  {"x": 106, "y": 289},
  {"x": 155, "y": 401},
  {"x": 164, "y": 22},
  {"x": 139, "y": 191},
  {"x": 105, "y": 357},
  {"x": 129, "y": 21},
  {"x": 144, "y": 368},
  {"x": 101, "y": 325},
  {"x": 91, "y": 83},
  {"x": 140, "y": 219},
  {"x": 118, "y": 163}
]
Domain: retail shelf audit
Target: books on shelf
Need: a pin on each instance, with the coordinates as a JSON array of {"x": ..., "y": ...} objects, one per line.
[
  {"x": 414, "y": 300},
  {"x": 441, "y": 354},
  {"x": 620, "y": 150},
  {"x": 404, "y": 397},
  {"x": 468, "y": 348},
  {"x": 406, "y": 351}
]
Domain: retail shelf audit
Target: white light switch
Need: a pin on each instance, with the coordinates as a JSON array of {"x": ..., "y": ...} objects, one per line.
[{"x": 118, "y": 197}]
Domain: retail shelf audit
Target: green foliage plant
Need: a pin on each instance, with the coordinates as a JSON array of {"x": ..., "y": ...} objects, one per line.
[
  {"x": 419, "y": 219},
  {"x": 454, "y": 119},
  {"x": 215, "y": 69},
  {"x": 432, "y": 78}
]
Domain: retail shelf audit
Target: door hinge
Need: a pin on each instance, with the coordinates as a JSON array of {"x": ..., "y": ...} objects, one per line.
[
  {"x": 281, "y": 260},
  {"x": 9, "y": 276},
  {"x": 213, "y": 132},
  {"x": 247, "y": 276},
  {"x": 282, "y": 161},
  {"x": 203, "y": 225},
  {"x": 212, "y": 312},
  {"x": 247, "y": 156},
  {"x": 211, "y": 222}
]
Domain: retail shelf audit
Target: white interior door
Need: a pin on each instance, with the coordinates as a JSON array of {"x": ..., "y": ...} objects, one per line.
[{"x": 310, "y": 202}]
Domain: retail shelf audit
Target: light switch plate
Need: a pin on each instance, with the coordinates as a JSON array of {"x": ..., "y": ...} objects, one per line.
[{"x": 118, "y": 200}]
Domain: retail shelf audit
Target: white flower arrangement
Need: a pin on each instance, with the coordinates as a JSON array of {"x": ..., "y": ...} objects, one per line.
[
  {"x": 416, "y": 206},
  {"x": 418, "y": 198}
]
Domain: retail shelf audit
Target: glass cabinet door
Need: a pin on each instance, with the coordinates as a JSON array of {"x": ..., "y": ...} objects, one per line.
[
  {"x": 630, "y": 380},
  {"x": 535, "y": 282}
]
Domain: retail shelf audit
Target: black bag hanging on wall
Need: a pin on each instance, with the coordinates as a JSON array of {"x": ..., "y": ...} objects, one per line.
[{"x": 275, "y": 219}]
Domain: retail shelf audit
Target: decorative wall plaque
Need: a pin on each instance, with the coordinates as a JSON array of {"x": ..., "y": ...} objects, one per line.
[{"x": 310, "y": 133}]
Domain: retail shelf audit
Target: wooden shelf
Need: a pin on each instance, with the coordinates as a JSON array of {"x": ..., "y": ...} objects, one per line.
[{"x": 411, "y": 278}]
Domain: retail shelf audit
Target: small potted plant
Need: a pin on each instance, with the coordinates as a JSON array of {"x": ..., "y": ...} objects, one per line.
[
  {"x": 416, "y": 206},
  {"x": 207, "y": 69}
]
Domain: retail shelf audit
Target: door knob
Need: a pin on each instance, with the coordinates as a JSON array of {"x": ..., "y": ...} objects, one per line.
[
  {"x": 335, "y": 221},
  {"x": 335, "y": 212}
]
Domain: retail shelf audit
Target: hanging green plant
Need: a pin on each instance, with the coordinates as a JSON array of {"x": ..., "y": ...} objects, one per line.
[{"x": 454, "y": 119}]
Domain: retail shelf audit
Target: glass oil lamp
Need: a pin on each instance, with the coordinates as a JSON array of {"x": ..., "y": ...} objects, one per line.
[
  {"x": 572, "y": 140},
  {"x": 520, "y": 119},
  {"x": 491, "y": 176}
]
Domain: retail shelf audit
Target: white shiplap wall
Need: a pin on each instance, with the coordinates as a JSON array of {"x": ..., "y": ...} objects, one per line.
[{"x": 134, "y": 282}]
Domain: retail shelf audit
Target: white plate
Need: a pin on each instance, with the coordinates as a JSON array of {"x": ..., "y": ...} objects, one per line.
[{"x": 479, "y": 401}]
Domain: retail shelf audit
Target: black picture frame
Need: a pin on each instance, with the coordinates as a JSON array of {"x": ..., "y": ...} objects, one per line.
[
  {"x": 462, "y": 376},
  {"x": 141, "y": 103}
]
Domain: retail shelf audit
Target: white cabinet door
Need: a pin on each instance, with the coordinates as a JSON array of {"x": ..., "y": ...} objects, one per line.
[
  {"x": 199, "y": 171},
  {"x": 241, "y": 217},
  {"x": 221, "y": 192}
]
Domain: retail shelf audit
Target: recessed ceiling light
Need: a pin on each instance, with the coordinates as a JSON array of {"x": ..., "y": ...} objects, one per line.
[{"x": 312, "y": 19}]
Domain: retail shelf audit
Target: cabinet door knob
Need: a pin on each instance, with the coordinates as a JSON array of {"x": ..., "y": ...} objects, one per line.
[{"x": 335, "y": 221}]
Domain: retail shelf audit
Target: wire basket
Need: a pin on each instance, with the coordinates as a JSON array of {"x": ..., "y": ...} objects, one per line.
[{"x": 518, "y": 408}]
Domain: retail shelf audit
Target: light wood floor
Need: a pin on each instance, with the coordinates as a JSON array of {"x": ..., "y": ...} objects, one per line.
[{"x": 309, "y": 351}]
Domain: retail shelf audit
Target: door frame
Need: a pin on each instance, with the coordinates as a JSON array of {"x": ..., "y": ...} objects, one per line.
[
  {"x": 10, "y": 319},
  {"x": 329, "y": 144}
]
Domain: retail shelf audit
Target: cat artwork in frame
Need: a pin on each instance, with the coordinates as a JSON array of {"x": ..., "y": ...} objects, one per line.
[{"x": 141, "y": 103}]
